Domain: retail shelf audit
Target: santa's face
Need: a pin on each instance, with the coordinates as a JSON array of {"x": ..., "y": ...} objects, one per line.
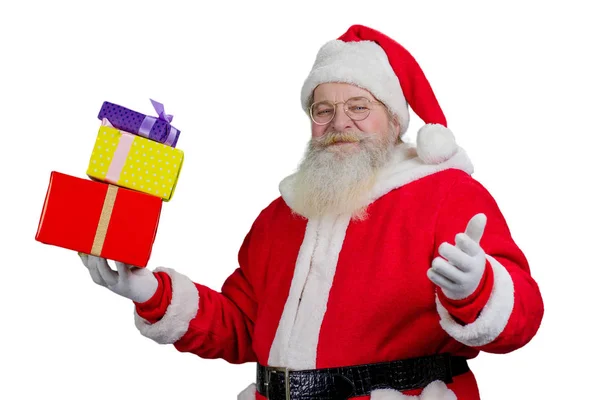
[
  {"x": 343, "y": 157},
  {"x": 376, "y": 123}
]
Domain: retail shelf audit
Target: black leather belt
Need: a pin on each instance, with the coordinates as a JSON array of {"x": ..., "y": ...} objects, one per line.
[{"x": 358, "y": 380}]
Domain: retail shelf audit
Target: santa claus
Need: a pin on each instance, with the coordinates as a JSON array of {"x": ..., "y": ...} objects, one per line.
[{"x": 380, "y": 270}]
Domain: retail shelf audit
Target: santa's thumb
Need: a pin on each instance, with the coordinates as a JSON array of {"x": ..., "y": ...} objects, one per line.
[{"x": 476, "y": 226}]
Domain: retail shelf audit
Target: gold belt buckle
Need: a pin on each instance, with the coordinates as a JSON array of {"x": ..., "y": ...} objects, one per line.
[{"x": 287, "y": 380}]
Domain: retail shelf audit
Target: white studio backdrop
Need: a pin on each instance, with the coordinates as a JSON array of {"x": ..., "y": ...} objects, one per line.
[{"x": 518, "y": 82}]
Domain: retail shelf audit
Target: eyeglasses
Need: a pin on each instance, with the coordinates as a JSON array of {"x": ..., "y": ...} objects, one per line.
[{"x": 357, "y": 108}]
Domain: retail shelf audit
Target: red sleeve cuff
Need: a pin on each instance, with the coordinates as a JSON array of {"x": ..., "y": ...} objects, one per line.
[
  {"x": 155, "y": 307},
  {"x": 467, "y": 310}
]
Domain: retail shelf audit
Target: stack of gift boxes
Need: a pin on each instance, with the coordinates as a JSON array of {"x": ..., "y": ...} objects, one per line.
[{"x": 114, "y": 212}]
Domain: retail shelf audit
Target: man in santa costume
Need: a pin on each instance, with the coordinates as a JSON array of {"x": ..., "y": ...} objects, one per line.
[{"x": 380, "y": 270}]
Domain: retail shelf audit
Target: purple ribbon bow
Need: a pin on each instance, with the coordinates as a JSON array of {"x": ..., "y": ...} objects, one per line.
[
  {"x": 148, "y": 122},
  {"x": 160, "y": 110}
]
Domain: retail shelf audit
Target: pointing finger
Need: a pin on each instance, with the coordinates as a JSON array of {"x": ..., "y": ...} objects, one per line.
[{"x": 456, "y": 256}]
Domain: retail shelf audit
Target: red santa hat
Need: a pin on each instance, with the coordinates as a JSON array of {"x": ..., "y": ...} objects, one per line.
[{"x": 373, "y": 61}]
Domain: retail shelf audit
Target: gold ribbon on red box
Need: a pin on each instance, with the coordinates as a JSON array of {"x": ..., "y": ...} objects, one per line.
[{"x": 109, "y": 202}]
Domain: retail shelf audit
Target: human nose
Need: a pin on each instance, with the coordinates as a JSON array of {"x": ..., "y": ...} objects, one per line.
[{"x": 341, "y": 121}]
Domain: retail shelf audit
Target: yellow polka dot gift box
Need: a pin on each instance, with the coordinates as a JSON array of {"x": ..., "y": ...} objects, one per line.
[{"x": 130, "y": 161}]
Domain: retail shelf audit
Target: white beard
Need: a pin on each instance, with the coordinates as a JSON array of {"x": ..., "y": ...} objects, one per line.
[{"x": 338, "y": 180}]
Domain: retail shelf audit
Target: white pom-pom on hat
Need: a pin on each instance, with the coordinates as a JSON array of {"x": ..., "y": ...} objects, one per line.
[{"x": 435, "y": 143}]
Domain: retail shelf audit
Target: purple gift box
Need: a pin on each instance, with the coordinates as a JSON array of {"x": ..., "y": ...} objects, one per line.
[{"x": 158, "y": 129}]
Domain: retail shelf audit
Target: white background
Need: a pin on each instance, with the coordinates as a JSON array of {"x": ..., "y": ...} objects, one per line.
[{"x": 518, "y": 83}]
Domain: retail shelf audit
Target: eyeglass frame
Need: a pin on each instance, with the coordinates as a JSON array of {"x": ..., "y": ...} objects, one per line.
[{"x": 310, "y": 109}]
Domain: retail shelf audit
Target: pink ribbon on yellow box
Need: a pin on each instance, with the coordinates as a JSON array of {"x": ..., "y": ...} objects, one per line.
[{"x": 120, "y": 157}]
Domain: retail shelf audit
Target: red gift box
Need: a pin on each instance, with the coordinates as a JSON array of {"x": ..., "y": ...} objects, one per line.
[{"x": 100, "y": 219}]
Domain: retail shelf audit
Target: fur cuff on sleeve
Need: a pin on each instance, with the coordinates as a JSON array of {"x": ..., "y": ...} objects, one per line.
[
  {"x": 183, "y": 308},
  {"x": 494, "y": 316}
]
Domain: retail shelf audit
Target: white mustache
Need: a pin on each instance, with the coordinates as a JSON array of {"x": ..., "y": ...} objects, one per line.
[{"x": 337, "y": 137}]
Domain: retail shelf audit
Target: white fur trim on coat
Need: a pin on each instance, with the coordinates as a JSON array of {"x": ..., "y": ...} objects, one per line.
[
  {"x": 494, "y": 316},
  {"x": 297, "y": 336},
  {"x": 249, "y": 393},
  {"x": 183, "y": 308},
  {"x": 406, "y": 167},
  {"x": 436, "y": 390},
  {"x": 363, "y": 64}
]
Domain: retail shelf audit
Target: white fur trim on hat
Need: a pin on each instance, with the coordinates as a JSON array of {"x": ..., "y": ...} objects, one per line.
[
  {"x": 435, "y": 144},
  {"x": 363, "y": 64}
]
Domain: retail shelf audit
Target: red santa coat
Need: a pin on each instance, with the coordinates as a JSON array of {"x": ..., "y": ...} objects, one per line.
[{"x": 333, "y": 291}]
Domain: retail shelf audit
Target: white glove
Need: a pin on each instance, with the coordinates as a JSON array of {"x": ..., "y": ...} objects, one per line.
[
  {"x": 137, "y": 284},
  {"x": 459, "y": 274}
]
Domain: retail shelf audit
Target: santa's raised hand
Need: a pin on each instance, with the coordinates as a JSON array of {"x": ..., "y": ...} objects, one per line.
[{"x": 459, "y": 269}]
